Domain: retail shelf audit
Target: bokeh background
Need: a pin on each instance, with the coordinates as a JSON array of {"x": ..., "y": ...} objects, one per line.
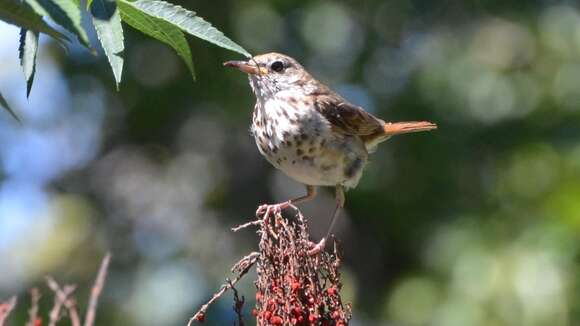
[{"x": 474, "y": 224}]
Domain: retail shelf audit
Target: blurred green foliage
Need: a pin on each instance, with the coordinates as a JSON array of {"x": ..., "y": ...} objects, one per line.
[{"x": 474, "y": 224}]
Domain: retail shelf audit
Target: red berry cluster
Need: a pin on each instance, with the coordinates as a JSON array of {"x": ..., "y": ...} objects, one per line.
[
  {"x": 297, "y": 304},
  {"x": 293, "y": 286}
]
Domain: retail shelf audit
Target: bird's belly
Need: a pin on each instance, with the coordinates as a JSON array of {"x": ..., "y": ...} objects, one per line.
[
  {"x": 324, "y": 161},
  {"x": 300, "y": 142}
]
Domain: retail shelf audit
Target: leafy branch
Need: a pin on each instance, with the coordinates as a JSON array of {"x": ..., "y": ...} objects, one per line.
[{"x": 161, "y": 20}]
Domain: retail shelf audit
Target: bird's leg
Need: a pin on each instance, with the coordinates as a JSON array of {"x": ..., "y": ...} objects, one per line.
[
  {"x": 339, "y": 195},
  {"x": 310, "y": 194}
]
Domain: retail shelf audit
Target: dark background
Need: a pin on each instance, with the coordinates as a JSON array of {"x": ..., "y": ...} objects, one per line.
[{"x": 474, "y": 224}]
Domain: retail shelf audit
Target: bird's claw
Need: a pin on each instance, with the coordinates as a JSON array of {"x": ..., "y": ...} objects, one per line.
[
  {"x": 261, "y": 209},
  {"x": 317, "y": 248},
  {"x": 266, "y": 209}
]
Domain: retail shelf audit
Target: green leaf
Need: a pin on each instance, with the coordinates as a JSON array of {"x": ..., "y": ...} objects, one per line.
[
  {"x": 66, "y": 13},
  {"x": 158, "y": 29},
  {"x": 189, "y": 22},
  {"x": 20, "y": 14},
  {"x": 4, "y": 104},
  {"x": 27, "y": 54},
  {"x": 107, "y": 23}
]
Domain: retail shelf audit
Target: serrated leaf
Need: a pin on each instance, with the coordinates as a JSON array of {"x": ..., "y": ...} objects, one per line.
[
  {"x": 27, "y": 54},
  {"x": 107, "y": 23},
  {"x": 7, "y": 107},
  {"x": 158, "y": 29},
  {"x": 189, "y": 22},
  {"x": 22, "y": 15},
  {"x": 66, "y": 13}
]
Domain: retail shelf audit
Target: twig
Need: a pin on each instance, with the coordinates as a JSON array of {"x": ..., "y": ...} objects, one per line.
[
  {"x": 247, "y": 262},
  {"x": 96, "y": 291},
  {"x": 60, "y": 297},
  {"x": 33, "y": 311},
  {"x": 71, "y": 306},
  {"x": 238, "y": 306},
  {"x": 6, "y": 309},
  {"x": 245, "y": 225},
  {"x": 68, "y": 301}
]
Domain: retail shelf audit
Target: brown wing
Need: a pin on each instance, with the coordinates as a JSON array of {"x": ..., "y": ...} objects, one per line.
[{"x": 347, "y": 118}]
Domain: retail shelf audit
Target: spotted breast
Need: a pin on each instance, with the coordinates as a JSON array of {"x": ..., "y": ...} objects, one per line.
[{"x": 297, "y": 139}]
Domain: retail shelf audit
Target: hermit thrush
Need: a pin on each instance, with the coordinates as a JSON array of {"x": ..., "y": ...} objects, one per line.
[{"x": 309, "y": 132}]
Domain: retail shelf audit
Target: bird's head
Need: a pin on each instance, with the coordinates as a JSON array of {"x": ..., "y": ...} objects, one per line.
[{"x": 273, "y": 72}]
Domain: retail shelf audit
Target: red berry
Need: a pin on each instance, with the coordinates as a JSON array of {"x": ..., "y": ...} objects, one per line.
[
  {"x": 255, "y": 312},
  {"x": 259, "y": 296},
  {"x": 312, "y": 318},
  {"x": 200, "y": 318},
  {"x": 267, "y": 315},
  {"x": 297, "y": 311},
  {"x": 276, "y": 320},
  {"x": 300, "y": 319},
  {"x": 331, "y": 291},
  {"x": 335, "y": 315},
  {"x": 38, "y": 322},
  {"x": 295, "y": 286}
]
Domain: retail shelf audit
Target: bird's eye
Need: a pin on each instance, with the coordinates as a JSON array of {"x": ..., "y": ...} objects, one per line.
[{"x": 277, "y": 66}]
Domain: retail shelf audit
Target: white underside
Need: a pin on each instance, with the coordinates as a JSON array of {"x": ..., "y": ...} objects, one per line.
[{"x": 329, "y": 162}]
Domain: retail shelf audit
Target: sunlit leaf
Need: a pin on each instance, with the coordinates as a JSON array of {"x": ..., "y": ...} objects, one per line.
[
  {"x": 189, "y": 22},
  {"x": 66, "y": 13},
  {"x": 7, "y": 107},
  {"x": 158, "y": 29},
  {"x": 27, "y": 54},
  {"x": 107, "y": 23},
  {"x": 20, "y": 14}
]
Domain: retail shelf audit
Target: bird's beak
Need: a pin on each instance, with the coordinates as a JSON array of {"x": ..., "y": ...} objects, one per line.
[{"x": 248, "y": 68}]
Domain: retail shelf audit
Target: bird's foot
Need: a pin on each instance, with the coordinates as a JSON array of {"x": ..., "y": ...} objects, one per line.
[
  {"x": 317, "y": 247},
  {"x": 266, "y": 209}
]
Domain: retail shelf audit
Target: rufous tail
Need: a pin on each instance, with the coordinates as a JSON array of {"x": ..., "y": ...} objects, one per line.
[{"x": 397, "y": 128}]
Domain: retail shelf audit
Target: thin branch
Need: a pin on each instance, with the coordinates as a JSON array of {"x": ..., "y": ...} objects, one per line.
[
  {"x": 238, "y": 306},
  {"x": 245, "y": 263},
  {"x": 64, "y": 295},
  {"x": 6, "y": 309},
  {"x": 243, "y": 266},
  {"x": 96, "y": 291},
  {"x": 33, "y": 311},
  {"x": 71, "y": 306},
  {"x": 245, "y": 225},
  {"x": 60, "y": 297}
]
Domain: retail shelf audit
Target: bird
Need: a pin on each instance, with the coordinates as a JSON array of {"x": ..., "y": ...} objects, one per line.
[{"x": 311, "y": 133}]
